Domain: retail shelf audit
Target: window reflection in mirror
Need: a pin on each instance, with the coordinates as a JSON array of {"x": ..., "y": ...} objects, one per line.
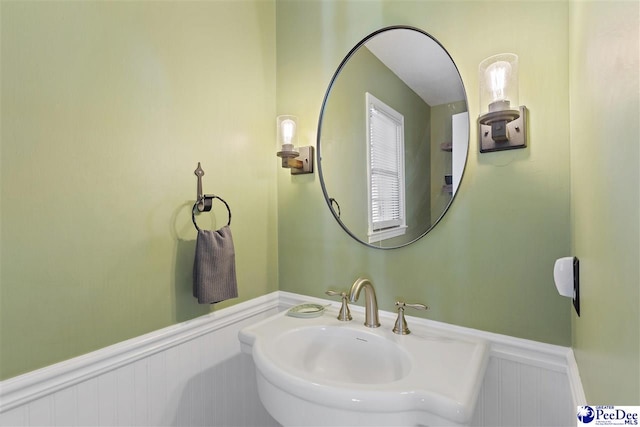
[{"x": 385, "y": 171}]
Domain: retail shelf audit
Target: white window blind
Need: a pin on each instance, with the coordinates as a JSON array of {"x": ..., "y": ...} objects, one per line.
[{"x": 385, "y": 156}]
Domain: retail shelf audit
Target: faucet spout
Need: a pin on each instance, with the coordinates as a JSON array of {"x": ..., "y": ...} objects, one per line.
[{"x": 370, "y": 301}]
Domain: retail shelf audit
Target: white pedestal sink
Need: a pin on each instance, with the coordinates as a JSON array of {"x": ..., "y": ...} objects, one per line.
[{"x": 321, "y": 371}]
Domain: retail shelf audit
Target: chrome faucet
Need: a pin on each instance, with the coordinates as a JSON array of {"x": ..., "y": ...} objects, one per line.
[{"x": 370, "y": 302}]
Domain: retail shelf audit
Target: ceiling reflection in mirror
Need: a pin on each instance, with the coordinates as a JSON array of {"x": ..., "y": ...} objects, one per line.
[{"x": 391, "y": 201}]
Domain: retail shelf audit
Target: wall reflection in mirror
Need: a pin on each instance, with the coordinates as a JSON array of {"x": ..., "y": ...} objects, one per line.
[{"x": 393, "y": 165}]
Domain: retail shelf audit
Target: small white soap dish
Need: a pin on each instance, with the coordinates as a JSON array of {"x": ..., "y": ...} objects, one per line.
[{"x": 306, "y": 310}]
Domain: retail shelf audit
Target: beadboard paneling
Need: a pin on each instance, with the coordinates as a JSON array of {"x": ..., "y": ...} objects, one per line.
[{"x": 519, "y": 394}]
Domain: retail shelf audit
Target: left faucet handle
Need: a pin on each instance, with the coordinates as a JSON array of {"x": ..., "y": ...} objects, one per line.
[{"x": 344, "y": 314}]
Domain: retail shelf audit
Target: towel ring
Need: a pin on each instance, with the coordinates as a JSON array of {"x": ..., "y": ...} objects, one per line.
[{"x": 204, "y": 205}]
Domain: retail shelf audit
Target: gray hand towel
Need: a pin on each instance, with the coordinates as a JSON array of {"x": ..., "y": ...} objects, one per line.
[{"x": 214, "y": 267}]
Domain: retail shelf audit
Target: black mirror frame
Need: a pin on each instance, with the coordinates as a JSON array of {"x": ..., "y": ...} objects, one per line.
[{"x": 327, "y": 198}]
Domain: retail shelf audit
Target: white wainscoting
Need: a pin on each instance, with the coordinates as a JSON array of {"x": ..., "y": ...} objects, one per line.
[
  {"x": 190, "y": 374},
  {"x": 193, "y": 374}
]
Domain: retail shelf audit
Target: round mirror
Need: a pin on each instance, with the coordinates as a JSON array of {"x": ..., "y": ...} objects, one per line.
[{"x": 393, "y": 137}]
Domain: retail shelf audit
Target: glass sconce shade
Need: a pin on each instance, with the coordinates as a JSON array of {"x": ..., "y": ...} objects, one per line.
[
  {"x": 287, "y": 135},
  {"x": 498, "y": 77}
]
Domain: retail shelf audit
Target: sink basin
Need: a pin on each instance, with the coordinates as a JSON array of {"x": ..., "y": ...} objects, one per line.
[
  {"x": 321, "y": 371},
  {"x": 341, "y": 354}
]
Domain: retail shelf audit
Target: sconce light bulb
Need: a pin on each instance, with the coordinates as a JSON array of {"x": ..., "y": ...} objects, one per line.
[
  {"x": 497, "y": 75},
  {"x": 288, "y": 130}
]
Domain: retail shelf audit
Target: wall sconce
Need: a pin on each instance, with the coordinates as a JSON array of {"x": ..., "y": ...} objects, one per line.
[
  {"x": 501, "y": 126},
  {"x": 298, "y": 160}
]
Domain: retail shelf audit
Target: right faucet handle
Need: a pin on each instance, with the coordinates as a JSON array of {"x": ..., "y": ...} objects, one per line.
[
  {"x": 401, "y": 327},
  {"x": 345, "y": 313}
]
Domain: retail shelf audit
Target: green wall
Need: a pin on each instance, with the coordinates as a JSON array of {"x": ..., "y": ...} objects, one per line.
[
  {"x": 488, "y": 264},
  {"x": 106, "y": 109},
  {"x": 605, "y": 202}
]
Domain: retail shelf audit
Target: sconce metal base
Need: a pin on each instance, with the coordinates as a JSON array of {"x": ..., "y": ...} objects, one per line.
[
  {"x": 306, "y": 157},
  {"x": 516, "y": 135}
]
